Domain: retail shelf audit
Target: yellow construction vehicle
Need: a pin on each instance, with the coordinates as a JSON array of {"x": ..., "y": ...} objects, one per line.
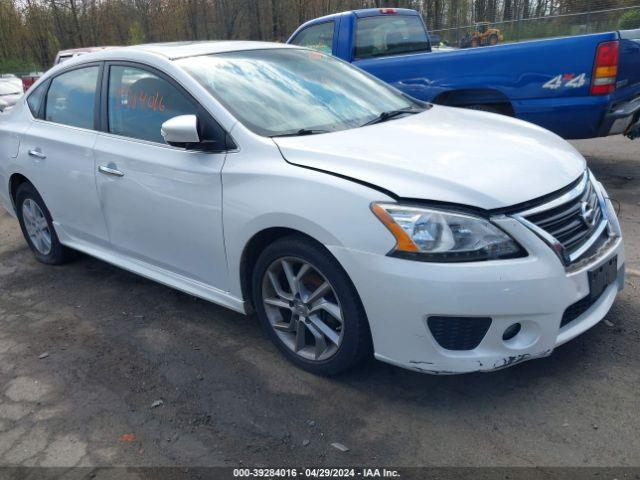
[{"x": 482, "y": 36}]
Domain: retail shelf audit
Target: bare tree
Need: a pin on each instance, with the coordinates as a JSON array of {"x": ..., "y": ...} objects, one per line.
[{"x": 33, "y": 30}]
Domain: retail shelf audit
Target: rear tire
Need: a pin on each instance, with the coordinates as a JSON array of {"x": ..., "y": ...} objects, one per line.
[
  {"x": 305, "y": 327},
  {"x": 37, "y": 227}
]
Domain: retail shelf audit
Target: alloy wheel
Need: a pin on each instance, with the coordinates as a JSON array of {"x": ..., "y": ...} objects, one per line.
[
  {"x": 37, "y": 226},
  {"x": 303, "y": 308}
]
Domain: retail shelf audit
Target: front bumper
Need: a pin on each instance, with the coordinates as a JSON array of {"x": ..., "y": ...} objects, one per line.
[{"x": 400, "y": 295}]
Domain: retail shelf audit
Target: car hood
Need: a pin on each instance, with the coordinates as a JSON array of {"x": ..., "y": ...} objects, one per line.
[{"x": 445, "y": 154}]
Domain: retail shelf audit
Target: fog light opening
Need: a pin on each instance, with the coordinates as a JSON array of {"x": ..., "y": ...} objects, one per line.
[{"x": 511, "y": 331}]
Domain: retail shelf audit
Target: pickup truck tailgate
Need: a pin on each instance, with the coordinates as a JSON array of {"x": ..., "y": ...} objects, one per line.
[{"x": 629, "y": 63}]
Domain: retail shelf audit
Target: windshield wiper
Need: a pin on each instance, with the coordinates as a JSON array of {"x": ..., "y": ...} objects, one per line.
[
  {"x": 384, "y": 116},
  {"x": 301, "y": 132}
]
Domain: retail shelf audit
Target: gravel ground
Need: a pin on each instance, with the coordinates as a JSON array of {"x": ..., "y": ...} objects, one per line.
[{"x": 99, "y": 367}]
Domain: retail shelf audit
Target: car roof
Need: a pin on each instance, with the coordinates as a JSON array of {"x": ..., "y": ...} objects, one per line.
[
  {"x": 72, "y": 51},
  {"x": 175, "y": 50},
  {"x": 362, "y": 12},
  {"x": 167, "y": 51}
]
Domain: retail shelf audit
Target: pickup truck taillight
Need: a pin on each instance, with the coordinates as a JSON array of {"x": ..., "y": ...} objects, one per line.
[{"x": 605, "y": 73}]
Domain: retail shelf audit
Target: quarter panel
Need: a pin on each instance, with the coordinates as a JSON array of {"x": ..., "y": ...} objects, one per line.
[
  {"x": 12, "y": 125},
  {"x": 502, "y": 67}
]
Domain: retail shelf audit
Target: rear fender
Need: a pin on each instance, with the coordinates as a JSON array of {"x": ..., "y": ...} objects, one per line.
[
  {"x": 10, "y": 129},
  {"x": 13, "y": 125}
]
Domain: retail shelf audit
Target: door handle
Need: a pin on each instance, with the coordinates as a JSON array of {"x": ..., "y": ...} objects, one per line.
[
  {"x": 110, "y": 171},
  {"x": 37, "y": 153}
]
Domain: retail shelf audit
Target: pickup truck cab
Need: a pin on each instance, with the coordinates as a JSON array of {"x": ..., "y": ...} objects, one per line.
[{"x": 578, "y": 87}]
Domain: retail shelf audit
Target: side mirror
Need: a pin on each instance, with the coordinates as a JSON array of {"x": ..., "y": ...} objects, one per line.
[{"x": 181, "y": 131}]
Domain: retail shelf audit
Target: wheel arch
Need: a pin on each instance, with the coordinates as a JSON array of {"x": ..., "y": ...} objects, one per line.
[
  {"x": 476, "y": 96},
  {"x": 15, "y": 181},
  {"x": 252, "y": 250}
]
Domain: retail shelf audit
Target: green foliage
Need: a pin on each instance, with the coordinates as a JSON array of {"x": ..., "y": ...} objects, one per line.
[
  {"x": 630, "y": 20},
  {"x": 136, "y": 35},
  {"x": 17, "y": 66}
]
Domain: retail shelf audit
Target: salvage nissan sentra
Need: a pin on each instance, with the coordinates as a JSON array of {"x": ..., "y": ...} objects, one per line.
[{"x": 353, "y": 219}]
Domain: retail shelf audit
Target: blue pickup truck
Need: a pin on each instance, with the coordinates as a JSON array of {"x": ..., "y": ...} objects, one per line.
[{"x": 578, "y": 87}]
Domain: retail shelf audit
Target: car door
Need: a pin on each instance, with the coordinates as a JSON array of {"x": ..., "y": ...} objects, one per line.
[
  {"x": 57, "y": 153},
  {"x": 162, "y": 204}
]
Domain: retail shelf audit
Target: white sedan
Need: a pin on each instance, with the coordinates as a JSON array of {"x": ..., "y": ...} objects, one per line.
[
  {"x": 10, "y": 92},
  {"x": 354, "y": 220}
]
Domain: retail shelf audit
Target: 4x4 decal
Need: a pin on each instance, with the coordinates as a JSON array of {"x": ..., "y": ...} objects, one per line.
[{"x": 568, "y": 80}]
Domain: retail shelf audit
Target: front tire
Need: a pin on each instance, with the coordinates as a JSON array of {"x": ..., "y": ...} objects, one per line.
[
  {"x": 37, "y": 227},
  {"x": 309, "y": 308}
]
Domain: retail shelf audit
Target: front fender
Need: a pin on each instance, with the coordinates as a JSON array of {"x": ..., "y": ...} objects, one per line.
[
  {"x": 290, "y": 221},
  {"x": 262, "y": 191}
]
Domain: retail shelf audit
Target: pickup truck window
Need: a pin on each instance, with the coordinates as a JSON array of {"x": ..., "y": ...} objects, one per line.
[
  {"x": 390, "y": 35},
  {"x": 285, "y": 90},
  {"x": 318, "y": 37}
]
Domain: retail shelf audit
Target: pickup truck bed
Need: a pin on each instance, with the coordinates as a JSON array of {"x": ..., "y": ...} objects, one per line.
[{"x": 548, "y": 82}]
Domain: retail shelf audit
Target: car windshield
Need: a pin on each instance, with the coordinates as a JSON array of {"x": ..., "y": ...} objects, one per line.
[{"x": 294, "y": 91}]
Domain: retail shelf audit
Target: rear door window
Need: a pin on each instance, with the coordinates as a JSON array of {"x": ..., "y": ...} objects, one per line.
[
  {"x": 390, "y": 35},
  {"x": 71, "y": 98},
  {"x": 318, "y": 37}
]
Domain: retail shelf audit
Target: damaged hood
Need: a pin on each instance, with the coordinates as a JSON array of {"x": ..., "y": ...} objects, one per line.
[{"x": 445, "y": 154}]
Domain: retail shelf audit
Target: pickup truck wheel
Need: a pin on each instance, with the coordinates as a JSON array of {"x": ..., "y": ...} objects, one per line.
[
  {"x": 37, "y": 227},
  {"x": 309, "y": 307},
  {"x": 485, "y": 108}
]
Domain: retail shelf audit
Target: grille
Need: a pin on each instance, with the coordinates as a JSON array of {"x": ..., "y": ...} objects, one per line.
[
  {"x": 459, "y": 333},
  {"x": 581, "y": 306},
  {"x": 574, "y": 222},
  {"x": 577, "y": 309}
]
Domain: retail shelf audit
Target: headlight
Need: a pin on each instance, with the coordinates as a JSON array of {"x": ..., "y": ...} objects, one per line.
[{"x": 442, "y": 236}]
